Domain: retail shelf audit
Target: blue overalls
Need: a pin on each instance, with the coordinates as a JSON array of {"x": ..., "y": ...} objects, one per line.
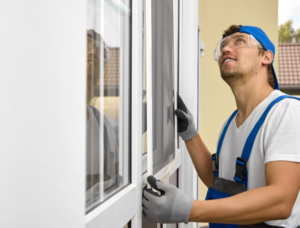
[{"x": 222, "y": 188}]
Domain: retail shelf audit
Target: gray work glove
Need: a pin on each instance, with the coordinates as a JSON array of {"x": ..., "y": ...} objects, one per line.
[
  {"x": 186, "y": 126},
  {"x": 172, "y": 206}
]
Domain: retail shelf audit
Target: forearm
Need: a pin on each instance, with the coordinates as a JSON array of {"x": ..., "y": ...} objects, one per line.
[
  {"x": 201, "y": 158},
  {"x": 251, "y": 207}
]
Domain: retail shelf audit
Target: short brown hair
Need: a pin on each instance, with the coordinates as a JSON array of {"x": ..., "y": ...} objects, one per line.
[
  {"x": 271, "y": 80},
  {"x": 231, "y": 29}
]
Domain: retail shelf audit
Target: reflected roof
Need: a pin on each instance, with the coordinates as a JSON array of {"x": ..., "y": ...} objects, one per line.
[
  {"x": 112, "y": 68},
  {"x": 111, "y": 64}
]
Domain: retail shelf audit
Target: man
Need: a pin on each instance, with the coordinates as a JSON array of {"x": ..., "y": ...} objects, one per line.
[
  {"x": 94, "y": 123},
  {"x": 260, "y": 190}
]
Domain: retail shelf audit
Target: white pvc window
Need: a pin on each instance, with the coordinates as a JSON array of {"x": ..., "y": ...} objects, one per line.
[
  {"x": 108, "y": 99},
  {"x": 126, "y": 203}
]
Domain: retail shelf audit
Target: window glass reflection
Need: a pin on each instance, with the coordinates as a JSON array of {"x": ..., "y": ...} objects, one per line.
[{"x": 108, "y": 104}]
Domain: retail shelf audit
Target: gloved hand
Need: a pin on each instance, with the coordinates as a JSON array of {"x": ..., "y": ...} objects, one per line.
[
  {"x": 186, "y": 126},
  {"x": 173, "y": 206}
]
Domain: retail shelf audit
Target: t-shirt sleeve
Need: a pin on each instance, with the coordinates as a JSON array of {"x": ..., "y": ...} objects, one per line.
[{"x": 282, "y": 133}]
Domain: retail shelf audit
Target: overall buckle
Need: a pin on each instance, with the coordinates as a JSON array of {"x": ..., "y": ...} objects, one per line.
[{"x": 240, "y": 170}]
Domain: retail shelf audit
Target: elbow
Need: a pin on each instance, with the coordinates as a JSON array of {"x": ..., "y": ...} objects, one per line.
[
  {"x": 284, "y": 212},
  {"x": 287, "y": 212},
  {"x": 282, "y": 206},
  {"x": 284, "y": 216}
]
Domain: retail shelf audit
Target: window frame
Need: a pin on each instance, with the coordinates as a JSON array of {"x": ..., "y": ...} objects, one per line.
[
  {"x": 170, "y": 168},
  {"x": 125, "y": 202}
]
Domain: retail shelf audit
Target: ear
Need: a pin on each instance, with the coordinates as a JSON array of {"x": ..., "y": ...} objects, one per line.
[{"x": 268, "y": 57}]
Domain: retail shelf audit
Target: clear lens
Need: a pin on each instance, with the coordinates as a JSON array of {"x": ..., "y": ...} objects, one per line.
[{"x": 235, "y": 41}]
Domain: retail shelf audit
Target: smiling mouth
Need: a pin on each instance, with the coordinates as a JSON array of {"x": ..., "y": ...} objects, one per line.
[{"x": 229, "y": 60}]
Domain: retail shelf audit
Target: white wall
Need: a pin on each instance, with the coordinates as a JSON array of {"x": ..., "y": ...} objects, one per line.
[{"x": 42, "y": 117}]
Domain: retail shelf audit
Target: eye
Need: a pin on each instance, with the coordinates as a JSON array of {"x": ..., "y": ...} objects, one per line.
[
  {"x": 223, "y": 45},
  {"x": 240, "y": 40}
]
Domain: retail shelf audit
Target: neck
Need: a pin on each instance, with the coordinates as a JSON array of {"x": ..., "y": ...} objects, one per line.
[{"x": 248, "y": 96}]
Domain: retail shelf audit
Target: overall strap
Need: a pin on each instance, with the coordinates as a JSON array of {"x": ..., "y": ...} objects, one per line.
[
  {"x": 224, "y": 132},
  {"x": 251, "y": 138},
  {"x": 215, "y": 157},
  {"x": 241, "y": 174}
]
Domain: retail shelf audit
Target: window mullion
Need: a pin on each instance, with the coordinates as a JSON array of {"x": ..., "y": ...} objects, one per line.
[
  {"x": 175, "y": 59},
  {"x": 101, "y": 107},
  {"x": 149, "y": 88}
]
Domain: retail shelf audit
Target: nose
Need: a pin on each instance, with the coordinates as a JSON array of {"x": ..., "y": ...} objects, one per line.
[{"x": 226, "y": 48}]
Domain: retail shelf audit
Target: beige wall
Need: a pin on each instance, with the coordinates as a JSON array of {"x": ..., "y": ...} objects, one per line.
[{"x": 216, "y": 99}]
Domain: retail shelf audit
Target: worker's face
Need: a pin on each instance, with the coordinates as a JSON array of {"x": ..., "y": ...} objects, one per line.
[
  {"x": 93, "y": 64},
  {"x": 236, "y": 64}
]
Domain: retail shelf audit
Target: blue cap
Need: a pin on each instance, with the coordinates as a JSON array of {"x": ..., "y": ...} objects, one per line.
[{"x": 261, "y": 36}]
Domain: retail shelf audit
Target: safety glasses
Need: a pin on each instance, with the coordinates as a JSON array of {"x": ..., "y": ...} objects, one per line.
[{"x": 235, "y": 41}]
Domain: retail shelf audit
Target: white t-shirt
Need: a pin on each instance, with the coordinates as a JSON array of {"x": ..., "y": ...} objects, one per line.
[
  {"x": 93, "y": 147},
  {"x": 277, "y": 140},
  {"x": 93, "y": 143}
]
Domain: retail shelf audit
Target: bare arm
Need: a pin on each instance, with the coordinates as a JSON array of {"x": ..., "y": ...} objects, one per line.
[
  {"x": 272, "y": 202},
  {"x": 201, "y": 158}
]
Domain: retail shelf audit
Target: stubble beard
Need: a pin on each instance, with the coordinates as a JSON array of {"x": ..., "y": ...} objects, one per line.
[{"x": 237, "y": 75}]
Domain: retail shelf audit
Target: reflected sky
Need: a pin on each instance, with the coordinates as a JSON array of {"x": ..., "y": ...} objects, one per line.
[{"x": 112, "y": 10}]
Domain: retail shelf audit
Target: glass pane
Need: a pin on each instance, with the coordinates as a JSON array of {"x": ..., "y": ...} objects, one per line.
[
  {"x": 163, "y": 83},
  {"x": 108, "y": 103},
  {"x": 173, "y": 179}
]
